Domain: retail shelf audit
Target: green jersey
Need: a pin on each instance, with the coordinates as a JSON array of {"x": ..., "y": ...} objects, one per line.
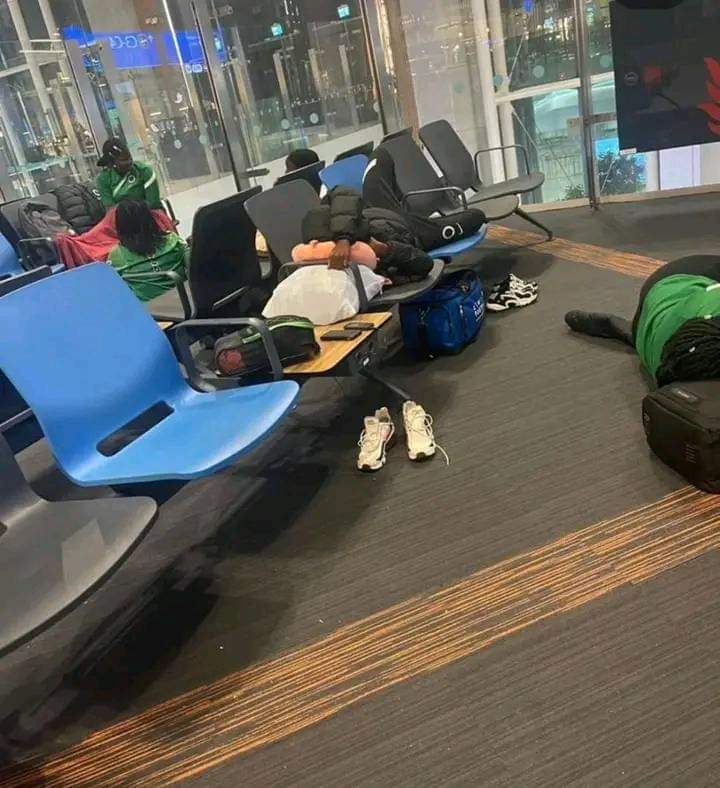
[
  {"x": 669, "y": 304},
  {"x": 138, "y": 184},
  {"x": 169, "y": 256}
]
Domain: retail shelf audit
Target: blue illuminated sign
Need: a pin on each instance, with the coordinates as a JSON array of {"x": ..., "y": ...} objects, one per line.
[{"x": 138, "y": 49}]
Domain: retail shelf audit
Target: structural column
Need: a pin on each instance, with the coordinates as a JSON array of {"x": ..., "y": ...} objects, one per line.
[{"x": 487, "y": 88}]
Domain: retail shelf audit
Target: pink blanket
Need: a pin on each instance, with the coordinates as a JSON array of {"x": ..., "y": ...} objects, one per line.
[{"x": 95, "y": 245}]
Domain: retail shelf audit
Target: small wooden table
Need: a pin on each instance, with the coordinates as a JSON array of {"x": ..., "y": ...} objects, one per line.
[{"x": 333, "y": 354}]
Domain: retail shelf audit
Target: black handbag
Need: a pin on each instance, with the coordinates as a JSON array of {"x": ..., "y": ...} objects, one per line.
[{"x": 682, "y": 425}]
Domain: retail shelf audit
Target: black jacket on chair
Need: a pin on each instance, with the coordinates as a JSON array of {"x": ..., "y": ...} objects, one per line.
[{"x": 343, "y": 216}]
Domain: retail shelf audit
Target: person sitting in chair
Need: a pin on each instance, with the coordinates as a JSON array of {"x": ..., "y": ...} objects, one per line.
[
  {"x": 145, "y": 248},
  {"x": 301, "y": 158},
  {"x": 122, "y": 178},
  {"x": 676, "y": 327}
]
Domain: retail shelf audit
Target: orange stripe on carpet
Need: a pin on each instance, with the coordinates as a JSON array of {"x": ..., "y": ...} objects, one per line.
[
  {"x": 192, "y": 733},
  {"x": 624, "y": 262}
]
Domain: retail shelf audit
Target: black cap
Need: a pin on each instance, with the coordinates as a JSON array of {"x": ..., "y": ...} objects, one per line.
[{"x": 112, "y": 150}]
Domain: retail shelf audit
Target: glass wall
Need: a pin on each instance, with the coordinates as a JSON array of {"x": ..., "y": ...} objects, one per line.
[{"x": 294, "y": 73}]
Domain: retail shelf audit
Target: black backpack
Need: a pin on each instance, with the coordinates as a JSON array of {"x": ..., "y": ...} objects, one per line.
[
  {"x": 79, "y": 206},
  {"x": 243, "y": 353},
  {"x": 38, "y": 220}
]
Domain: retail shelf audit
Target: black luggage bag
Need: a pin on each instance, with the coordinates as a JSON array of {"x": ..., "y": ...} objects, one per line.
[{"x": 682, "y": 425}]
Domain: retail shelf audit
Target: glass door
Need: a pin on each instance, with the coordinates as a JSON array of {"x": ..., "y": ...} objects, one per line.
[{"x": 289, "y": 75}]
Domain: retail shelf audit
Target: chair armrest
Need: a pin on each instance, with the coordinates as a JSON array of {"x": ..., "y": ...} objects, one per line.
[
  {"x": 183, "y": 341},
  {"x": 167, "y": 205},
  {"x": 228, "y": 299},
  {"x": 437, "y": 190},
  {"x": 502, "y": 147},
  {"x": 289, "y": 268},
  {"x": 175, "y": 278},
  {"x": 25, "y": 249}
]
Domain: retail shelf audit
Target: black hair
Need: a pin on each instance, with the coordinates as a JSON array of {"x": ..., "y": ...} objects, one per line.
[
  {"x": 691, "y": 353},
  {"x": 302, "y": 157},
  {"x": 112, "y": 150},
  {"x": 136, "y": 227}
]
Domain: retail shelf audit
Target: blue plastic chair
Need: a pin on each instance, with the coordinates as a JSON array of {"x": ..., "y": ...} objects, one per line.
[
  {"x": 448, "y": 251},
  {"x": 89, "y": 360},
  {"x": 346, "y": 172},
  {"x": 9, "y": 263}
]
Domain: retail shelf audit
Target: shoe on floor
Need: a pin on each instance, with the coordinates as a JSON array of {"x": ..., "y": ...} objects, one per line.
[
  {"x": 502, "y": 300},
  {"x": 419, "y": 432},
  {"x": 517, "y": 284},
  {"x": 375, "y": 440}
]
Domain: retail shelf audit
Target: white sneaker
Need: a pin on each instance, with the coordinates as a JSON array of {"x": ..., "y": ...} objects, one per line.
[
  {"x": 375, "y": 440},
  {"x": 419, "y": 432}
]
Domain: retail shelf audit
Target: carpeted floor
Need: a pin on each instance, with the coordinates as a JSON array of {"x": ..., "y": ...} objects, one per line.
[{"x": 544, "y": 435}]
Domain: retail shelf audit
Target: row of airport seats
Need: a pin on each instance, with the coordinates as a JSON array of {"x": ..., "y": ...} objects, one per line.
[{"x": 148, "y": 422}]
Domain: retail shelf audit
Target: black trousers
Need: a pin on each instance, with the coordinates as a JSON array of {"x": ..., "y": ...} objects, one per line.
[{"x": 614, "y": 327}]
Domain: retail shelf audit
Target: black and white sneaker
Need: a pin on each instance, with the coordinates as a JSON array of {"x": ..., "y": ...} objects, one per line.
[
  {"x": 520, "y": 285},
  {"x": 503, "y": 297}
]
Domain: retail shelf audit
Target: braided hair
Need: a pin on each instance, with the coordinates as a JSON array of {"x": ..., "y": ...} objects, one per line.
[{"x": 692, "y": 352}]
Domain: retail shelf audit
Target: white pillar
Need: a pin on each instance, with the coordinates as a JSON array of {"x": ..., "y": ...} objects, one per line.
[
  {"x": 487, "y": 88},
  {"x": 507, "y": 127}
]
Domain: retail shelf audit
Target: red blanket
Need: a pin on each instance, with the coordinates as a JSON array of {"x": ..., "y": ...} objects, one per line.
[{"x": 95, "y": 245}]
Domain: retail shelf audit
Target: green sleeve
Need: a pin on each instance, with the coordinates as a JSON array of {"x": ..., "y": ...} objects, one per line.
[
  {"x": 103, "y": 186},
  {"x": 151, "y": 185}
]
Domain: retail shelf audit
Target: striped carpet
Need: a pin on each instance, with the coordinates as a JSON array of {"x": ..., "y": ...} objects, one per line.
[
  {"x": 267, "y": 702},
  {"x": 611, "y": 259}
]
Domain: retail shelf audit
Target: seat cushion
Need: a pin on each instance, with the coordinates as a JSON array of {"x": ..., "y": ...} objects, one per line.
[
  {"x": 495, "y": 208},
  {"x": 448, "y": 251},
  {"x": 520, "y": 185},
  {"x": 205, "y": 433}
]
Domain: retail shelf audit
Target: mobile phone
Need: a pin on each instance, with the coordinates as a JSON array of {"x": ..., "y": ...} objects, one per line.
[
  {"x": 340, "y": 336},
  {"x": 360, "y": 326}
]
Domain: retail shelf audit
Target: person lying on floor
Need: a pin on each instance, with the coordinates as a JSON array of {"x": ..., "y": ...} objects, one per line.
[
  {"x": 676, "y": 327},
  {"x": 381, "y": 190},
  {"x": 144, "y": 247},
  {"x": 343, "y": 230}
]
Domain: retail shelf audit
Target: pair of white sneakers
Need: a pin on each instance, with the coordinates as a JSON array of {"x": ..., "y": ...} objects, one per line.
[{"x": 379, "y": 435}]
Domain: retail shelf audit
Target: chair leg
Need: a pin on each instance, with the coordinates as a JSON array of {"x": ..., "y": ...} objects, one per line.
[
  {"x": 400, "y": 393},
  {"x": 528, "y": 218}
]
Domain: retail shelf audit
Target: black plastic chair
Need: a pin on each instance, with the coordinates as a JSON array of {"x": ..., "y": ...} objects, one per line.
[
  {"x": 359, "y": 150},
  {"x": 279, "y": 212},
  {"x": 309, "y": 174},
  {"x": 224, "y": 277},
  {"x": 53, "y": 554},
  {"x": 391, "y": 135},
  {"x": 461, "y": 169},
  {"x": 425, "y": 192}
]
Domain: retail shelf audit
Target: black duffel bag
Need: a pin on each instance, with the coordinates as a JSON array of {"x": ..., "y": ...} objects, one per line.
[
  {"x": 243, "y": 353},
  {"x": 682, "y": 425}
]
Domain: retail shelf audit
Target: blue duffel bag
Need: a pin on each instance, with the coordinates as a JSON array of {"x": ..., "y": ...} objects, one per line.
[{"x": 446, "y": 318}]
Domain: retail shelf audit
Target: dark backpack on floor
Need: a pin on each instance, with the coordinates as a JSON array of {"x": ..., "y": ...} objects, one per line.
[
  {"x": 682, "y": 426},
  {"x": 79, "y": 206},
  {"x": 243, "y": 353}
]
